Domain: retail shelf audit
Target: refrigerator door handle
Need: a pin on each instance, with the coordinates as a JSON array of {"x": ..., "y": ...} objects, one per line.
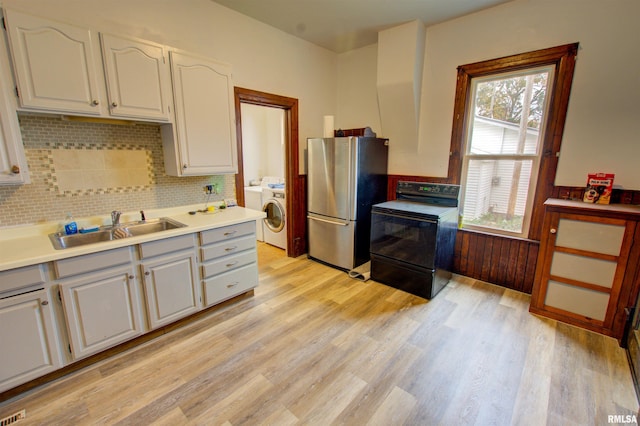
[{"x": 328, "y": 221}]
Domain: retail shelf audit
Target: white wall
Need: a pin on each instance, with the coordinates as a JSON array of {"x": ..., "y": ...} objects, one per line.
[
  {"x": 357, "y": 92},
  {"x": 262, "y": 142},
  {"x": 600, "y": 132},
  {"x": 263, "y": 58}
]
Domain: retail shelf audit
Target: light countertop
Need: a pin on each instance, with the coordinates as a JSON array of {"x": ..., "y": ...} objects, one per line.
[{"x": 30, "y": 244}]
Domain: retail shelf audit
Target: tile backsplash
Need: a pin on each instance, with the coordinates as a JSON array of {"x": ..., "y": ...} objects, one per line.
[
  {"x": 91, "y": 169},
  {"x": 95, "y": 170}
]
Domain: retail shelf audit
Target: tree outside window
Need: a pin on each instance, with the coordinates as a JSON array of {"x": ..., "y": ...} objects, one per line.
[
  {"x": 503, "y": 149},
  {"x": 509, "y": 116}
]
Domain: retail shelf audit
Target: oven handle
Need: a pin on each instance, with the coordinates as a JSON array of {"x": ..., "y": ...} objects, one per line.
[
  {"x": 405, "y": 217},
  {"x": 327, "y": 221}
]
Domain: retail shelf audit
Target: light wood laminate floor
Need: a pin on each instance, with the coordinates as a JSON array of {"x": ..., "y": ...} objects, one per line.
[{"x": 313, "y": 346}]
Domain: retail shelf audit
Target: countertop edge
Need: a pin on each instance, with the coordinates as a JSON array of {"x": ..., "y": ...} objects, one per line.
[
  {"x": 37, "y": 249},
  {"x": 629, "y": 209}
]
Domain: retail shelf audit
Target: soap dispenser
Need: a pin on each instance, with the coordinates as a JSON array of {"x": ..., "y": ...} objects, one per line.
[{"x": 70, "y": 225}]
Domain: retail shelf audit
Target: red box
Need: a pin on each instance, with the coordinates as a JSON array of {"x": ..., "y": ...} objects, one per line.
[{"x": 599, "y": 187}]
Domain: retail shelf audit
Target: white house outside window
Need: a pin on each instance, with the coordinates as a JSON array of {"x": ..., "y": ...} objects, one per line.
[{"x": 502, "y": 149}]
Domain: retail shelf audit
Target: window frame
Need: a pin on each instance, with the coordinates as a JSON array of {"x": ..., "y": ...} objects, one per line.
[
  {"x": 562, "y": 58},
  {"x": 467, "y": 156}
]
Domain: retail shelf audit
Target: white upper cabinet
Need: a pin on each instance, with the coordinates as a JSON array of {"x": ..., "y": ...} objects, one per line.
[
  {"x": 138, "y": 78},
  {"x": 13, "y": 163},
  {"x": 59, "y": 69},
  {"x": 56, "y": 65},
  {"x": 203, "y": 140}
]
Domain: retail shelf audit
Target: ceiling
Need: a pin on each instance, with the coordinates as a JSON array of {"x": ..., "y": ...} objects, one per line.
[{"x": 343, "y": 25}]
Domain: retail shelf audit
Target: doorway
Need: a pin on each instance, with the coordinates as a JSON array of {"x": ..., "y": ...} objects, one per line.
[{"x": 295, "y": 188}]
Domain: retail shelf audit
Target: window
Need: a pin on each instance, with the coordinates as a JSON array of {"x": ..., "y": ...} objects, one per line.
[
  {"x": 506, "y": 113},
  {"x": 508, "y": 121}
]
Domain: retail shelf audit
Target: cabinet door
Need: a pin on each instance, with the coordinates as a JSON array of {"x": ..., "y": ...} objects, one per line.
[
  {"x": 171, "y": 288},
  {"x": 13, "y": 164},
  {"x": 581, "y": 268},
  {"x": 29, "y": 347},
  {"x": 205, "y": 123},
  {"x": 102, "y": 310},
  {"x": 56, "y": 65},
  {"x": 138, "y": 78}
]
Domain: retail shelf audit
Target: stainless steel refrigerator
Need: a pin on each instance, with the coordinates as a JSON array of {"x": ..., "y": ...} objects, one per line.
[{"x": 345, "y": 177}]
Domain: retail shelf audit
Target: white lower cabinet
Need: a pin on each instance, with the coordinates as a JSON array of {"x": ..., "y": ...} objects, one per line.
[
  {"x": 101, "y": 310},
  {"x": 170, "y": 280},
  {"x": 29, "y": 346},
  {"x": 105, "y": 301},
  {"x": 229, "y": 261},
  {"x": 102, "y": 304}
]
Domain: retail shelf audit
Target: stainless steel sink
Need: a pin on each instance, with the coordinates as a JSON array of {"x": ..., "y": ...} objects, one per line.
[{"x": 61, "y": 241}]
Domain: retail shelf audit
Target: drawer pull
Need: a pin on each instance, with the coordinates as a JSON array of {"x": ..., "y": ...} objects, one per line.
[
  {"x": 553, "y": 230},
  {"x": 226, "y": 234},
  {"x": 231, "y": 248},
  {"x": 45, "y": 302},
  {"x": 233, "y": 284},
  {"x": 229, "y": 265}
]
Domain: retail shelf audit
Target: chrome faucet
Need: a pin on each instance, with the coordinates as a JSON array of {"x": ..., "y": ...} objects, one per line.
[{"x": 115, "y": 218}]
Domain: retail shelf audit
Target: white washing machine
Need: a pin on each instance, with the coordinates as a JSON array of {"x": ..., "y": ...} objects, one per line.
[
  {"x": 275, "y": 226},
  {"x": 253, "y": 201}
]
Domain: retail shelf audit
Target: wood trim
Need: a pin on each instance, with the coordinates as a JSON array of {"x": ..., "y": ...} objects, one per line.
[
  {"x": 618, "y": 196},
  {"x": 578, "y": 320},
  {"x": 630, "y": 290},
  {"x": 296, "y": 187},
  {"x": 583, "y": 253},
  {"x": 581, "y": 284},
  {"x": 563, "y": 58}
]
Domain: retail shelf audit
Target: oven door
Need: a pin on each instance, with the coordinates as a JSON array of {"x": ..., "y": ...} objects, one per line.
[{"x": 402, "y": 238}]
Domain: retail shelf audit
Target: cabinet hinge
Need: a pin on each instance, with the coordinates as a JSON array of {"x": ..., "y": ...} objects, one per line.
[
  {"x": 4, "y": 24},
  {"x": 70, "y": 348},
  {"x": 17, "y": 92},
  {"x": 59, "y": 296}
]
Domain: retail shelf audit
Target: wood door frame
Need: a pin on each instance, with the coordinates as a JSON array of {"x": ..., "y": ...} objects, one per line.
[{"x": 295, "y": 188}]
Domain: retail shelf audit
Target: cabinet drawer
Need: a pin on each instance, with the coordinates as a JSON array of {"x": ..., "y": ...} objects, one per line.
[
  {"x": 15, "y": 279},
  {"x": 92, "y": 262},
  {"x": 228, "y": 263},
  {"x": 227, "y": 232},
  {"x": 226, "y": 248},
  {"x": 168, "y": 245},
  {"x": 229, "y": 284}
]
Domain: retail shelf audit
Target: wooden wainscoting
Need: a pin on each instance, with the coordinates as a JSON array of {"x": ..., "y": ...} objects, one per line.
[{"x": 508, "y": 262}]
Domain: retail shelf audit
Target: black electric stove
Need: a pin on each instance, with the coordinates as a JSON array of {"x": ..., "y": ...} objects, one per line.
[{"x": 413, "y": 237}]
